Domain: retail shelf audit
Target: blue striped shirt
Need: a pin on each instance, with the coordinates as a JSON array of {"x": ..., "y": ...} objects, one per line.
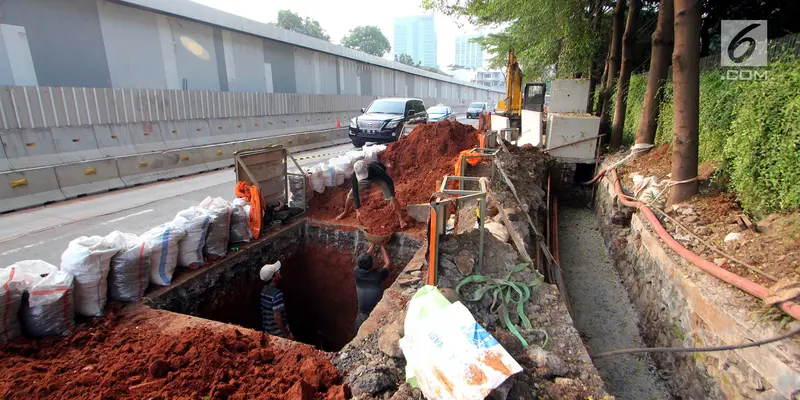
[{"x": 272, "y": 302}]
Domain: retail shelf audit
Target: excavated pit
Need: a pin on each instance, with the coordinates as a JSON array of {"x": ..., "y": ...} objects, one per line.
[{"x": 316, "y": 279}]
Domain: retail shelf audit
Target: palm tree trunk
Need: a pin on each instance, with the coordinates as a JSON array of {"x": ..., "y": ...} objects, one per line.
[
  {"x": 628, "y": 48},
  {"x": 613, "y": 64},
  {"x": 686, "y": 87},
  {"x": 663, "y": 40}
]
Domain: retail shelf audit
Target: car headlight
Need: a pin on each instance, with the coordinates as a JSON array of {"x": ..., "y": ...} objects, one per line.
[
  {"x": 353, "y": 123},
  {"x": 391, "y": 125}
]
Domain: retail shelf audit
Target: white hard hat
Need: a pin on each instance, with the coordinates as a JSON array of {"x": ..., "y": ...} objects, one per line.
[
  {"x": 361, "y": 170},
  {"x": 269, "y": 270}
]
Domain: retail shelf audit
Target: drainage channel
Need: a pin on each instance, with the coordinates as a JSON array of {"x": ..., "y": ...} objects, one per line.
[{"x": 602, "y": 310}]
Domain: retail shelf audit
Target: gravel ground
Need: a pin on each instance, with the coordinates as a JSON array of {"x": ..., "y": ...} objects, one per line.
[{"x": 602, "y": 310}]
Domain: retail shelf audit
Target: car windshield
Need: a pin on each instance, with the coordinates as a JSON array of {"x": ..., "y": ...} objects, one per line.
[
  {"x": 387, "y": 107},
  {"x": 476, "y": 105},
  {"x": 437, "y": 110}
]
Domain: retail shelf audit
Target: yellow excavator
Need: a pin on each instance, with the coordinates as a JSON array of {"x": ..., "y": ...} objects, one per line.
[{"x": 516, "y": 100}]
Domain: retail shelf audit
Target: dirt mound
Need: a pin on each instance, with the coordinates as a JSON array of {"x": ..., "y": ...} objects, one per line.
[
  {"x": 415, "y": 164},
  {"x": 112, "y": 359}
]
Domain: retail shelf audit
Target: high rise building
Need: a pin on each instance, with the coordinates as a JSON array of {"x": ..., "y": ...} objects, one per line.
[
  {"x": 416, "y": 36},
  {"x": 468, "y": 54}
]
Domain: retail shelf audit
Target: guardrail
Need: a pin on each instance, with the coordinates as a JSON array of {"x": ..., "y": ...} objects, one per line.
[{"x": 41, "y": 185}]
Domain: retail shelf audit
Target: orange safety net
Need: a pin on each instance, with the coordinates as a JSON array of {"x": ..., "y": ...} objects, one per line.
[
  {"x": 252, "y": 194},
  {"x": 471, "y": 160}
]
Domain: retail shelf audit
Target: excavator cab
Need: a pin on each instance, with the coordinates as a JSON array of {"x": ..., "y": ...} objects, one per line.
[{"x": 534, "y": 97}]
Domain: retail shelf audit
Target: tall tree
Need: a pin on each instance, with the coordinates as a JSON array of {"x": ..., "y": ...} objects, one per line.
[
  {"x": 368, "y": 39},
  {"x": 628, "y": 47},
  {"x": 663, "y": 40},
  {"x": 549, "y": 37},
  {"x": 686, "y": 94},
  {"x": 614, "y": 55},
  {"x": 597, "y": 21},
  {"x": 287, "y": 19}
]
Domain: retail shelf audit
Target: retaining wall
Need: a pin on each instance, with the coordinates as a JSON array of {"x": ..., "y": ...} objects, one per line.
[
  {"x": 682, "y": 306},
  {"x": 60, "y": 143}
]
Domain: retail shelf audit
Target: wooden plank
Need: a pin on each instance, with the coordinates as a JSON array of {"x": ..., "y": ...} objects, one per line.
[{"x": 511, "y": 231}]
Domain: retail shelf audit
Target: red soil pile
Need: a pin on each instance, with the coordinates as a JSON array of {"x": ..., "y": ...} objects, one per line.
[
  {"x": 415, "y": 164},
  {"x": 110, "y": 359}
]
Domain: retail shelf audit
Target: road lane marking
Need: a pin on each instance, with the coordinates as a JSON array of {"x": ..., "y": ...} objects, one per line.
[{"x": 128, "y": 216}]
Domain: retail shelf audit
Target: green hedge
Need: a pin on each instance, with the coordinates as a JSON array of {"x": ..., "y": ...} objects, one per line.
[{"x": 752, "y": 130}]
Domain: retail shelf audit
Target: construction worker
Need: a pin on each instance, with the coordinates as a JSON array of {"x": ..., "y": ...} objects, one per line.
[
  {"x": 273, "y": 310},
  {"x": 369, "y": 283},
  {"x": 363, "y": 177}
]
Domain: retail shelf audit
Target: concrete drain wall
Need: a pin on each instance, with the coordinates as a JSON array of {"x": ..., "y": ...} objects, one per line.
[{"x": 317, "y": 281}]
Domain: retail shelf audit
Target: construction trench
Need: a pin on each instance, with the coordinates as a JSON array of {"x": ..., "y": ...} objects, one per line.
[{"x": 200, "y": 337}]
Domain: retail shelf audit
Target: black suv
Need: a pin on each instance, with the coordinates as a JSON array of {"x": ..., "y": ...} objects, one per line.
[{"x": 384, "y": 120}]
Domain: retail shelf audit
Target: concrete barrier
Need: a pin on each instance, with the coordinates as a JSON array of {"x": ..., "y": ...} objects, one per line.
[
  {"x": 200, "y": 132},
  {"x": 28, "y": 148},
  {"x": 114, "y": 140},
  {"x": 75, "y": 143},
  {"x": 146, "y": 137},
  {"x": 218, "y": 156},
  {"x": 176, "y": 134},
  {"x": 28, "y": 187},
  {"x": 4, "y": 164},
  {"x": 88, "y": 177},
  {"x": 141, "y": 168},
  {"x": 184, "y": 162}
]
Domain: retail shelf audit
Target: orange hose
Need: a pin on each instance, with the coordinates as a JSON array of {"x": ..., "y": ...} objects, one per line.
[{"x": 742, "y": 283}]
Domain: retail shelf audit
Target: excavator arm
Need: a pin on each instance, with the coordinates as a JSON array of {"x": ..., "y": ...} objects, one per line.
[{"x": 511, "y": 106}]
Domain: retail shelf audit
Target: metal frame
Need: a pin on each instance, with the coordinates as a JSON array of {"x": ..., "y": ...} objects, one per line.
[
  {"x": 482, "y": 153},
  {"x": 302, "y": 174},
  {"x": 238, "y": 163},
  {"x": 438, "y": 222}
]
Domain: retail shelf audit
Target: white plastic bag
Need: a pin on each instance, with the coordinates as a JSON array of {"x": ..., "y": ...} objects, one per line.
[
  {"x": 194, "y": 221},
  {"x": 163, "y": 242},
  {"x": 449, "y": 355},
  {"x": 88, "y": 259},
  {"x": 219, "y": 210},
  {"x": 11, "y": 288},
  {"x": 130, "y": 268},
  {"x": 240, "y": 221},
  {"x": 342, "y": 165},
  {"x": 49, "y": 307}
]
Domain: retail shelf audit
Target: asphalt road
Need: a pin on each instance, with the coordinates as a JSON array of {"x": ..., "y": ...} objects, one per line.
[{"x": 44, "y": 232}]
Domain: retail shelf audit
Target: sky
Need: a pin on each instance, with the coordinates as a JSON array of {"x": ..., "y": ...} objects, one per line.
[{"x": 338, "y": 17}]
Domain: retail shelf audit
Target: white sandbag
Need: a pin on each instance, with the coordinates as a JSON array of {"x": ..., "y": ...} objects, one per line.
[
  {"x": 11, "y": 288},
  {"x": 240, "y": 224},
  {"x": 195, "y": 221},
  {"x": 498, "y": 230},
  {"x": 219, "y": 210},
  {"x": 129, "y": 275},
  {"x": 355, "y": 155},
  {"x": 88, "y": 259},
  {"x": 48, "y": 309},
  {"x": 343, "y": 165},
  {"x": 371, "y": 152},
  {"x": 318, "y": 178},
  {"x": 163, "y": 242},
  {"x": 333, "y": 176}
]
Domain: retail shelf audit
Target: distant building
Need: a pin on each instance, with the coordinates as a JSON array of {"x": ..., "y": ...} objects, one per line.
[
  {"x": 416, "y": 36},
  {"x": 492, "y": 79},
  {"x": 468, "y": 54}
]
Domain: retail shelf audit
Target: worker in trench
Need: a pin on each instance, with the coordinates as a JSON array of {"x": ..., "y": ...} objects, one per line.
[
  {"x": 369, "y": 282},
  {"x": 273, "y": 309},
  {"x": 364, "y": 176}
]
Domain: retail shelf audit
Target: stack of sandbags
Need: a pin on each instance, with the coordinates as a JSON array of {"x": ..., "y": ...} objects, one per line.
[
  {"x": 48, "y": 308},
  {"x": 129, "y": 275},
  {"x": 240, "y": 221},
  {"x": 163, "y": 241},
  {"x": 88, "y": 259}
]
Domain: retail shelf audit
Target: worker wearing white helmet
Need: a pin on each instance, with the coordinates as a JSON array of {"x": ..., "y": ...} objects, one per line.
[
  {"x": 366, "y": 175},
  {"x": 273, "y": 309}
]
